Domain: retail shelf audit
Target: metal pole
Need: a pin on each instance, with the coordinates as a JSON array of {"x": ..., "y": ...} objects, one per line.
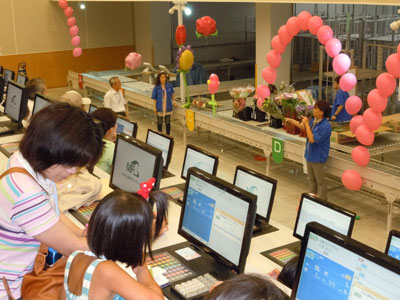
[{"x": 180, "y": 6}]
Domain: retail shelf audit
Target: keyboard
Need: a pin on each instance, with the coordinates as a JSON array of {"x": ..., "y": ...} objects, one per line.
[
  {"x": 9, "y": 148},
  {"x": 195, "y": 287},
  {"x": 6, "y": 130}
]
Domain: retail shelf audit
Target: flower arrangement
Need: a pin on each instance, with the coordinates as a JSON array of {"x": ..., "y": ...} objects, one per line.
[{"x": 239, "y": 96}]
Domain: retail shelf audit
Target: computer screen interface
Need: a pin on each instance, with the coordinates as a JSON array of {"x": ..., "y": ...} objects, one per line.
[
  {"x": 40, "y": 103},
  {"x": 15, "y": 101},
  {"x": 393, "y": 247},
  {"x": 333, "y": 270},
  {"x": 21, "y": 79},
  {"x": 8, "y": 75},
  {"x": 160, "y": 142},
  {"x": 124, "y": 126},
  {"x": 198, "y": 159},
  {"x": 312, "y": 210},
  {"x": 217, "y": 218},
  {"x": 92, "y": 109}
]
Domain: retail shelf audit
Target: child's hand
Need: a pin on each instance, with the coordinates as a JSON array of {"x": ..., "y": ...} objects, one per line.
[
  {"x": 274, "y": 273},
  {"x": 139, "y": 269}
]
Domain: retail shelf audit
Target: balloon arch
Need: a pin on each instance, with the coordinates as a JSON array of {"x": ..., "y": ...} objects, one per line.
[{"x": 362, "y": 126}]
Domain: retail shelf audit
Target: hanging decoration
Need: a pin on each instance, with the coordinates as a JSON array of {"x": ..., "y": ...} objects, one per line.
[
  {"x": 180, "y": 35},
  {"x": 206, "y": 26},
  {"x": 213, "y": 85},
  {"x": 133, "y": 61},
  {"x": 73, "y": 28},
  {"x": 184, "y": 62}
]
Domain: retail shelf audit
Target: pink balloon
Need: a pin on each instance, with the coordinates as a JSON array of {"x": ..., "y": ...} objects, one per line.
[
  {"x": 274, "y": 59},
  {"x": 341, "y": 63},
  {"x": 360, "y": 155},
  {"x": 324, "y": 34},
  {"x": 77, "y": 52},
  {"x": 314, "y": 24},
  {"x": 263, "y": 91},
  {"x": 386, "y": 84},
  {"x": 76, "y": 40},
  {"x": 71, "y": 21},
  {"x": 347, "y": 82},
  {"x": 398, "y": 49},
  {"x": 356, "y": 122},
  {"x": 284, "y": 35},
  {"x": 269, "y": 74},
  {"x": 302, "y": 20},
  {"x": 277, "y": 45},
  {"x": 372, "y": 119},
  {"x": 393, "y": 65},
  {"x": 63, "y": 4},
  {"x": 68, "y": 12},
  {"x": 353, "y": 105},
  {"x": 377, "y": 101},
  {"x": 214, "y": 77},
  {"x": 333, "y": 47},
  {"x": 74, "y": 30},
  {"x": 133, "y": 60},
  {"x": 213, "y": 86},
  {"x": 364, "y": 135},
  {"x": 260, "y": 102},
  {"x": 352, "y": 180},
  {"x": 292, "y": 26}
]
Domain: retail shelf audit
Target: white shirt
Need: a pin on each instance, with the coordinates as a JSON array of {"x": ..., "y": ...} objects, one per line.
[{"x": 114, "y": 100}]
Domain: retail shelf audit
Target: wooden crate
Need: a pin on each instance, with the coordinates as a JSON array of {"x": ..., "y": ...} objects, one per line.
[
  {"x": 392, "y": 121},
  {"x": 348, "y": 137}
]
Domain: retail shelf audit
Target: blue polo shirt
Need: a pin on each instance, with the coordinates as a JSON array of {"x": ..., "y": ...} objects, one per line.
[
  {"x": 157, "y": 95},
  {"x": 318, "y": 151},
  {"x": 340, "y": 99}
]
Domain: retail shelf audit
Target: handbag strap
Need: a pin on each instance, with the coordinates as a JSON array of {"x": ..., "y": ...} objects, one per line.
[
  {"x": 7, "y": 288},
  {"x": 16, "y": 170}
]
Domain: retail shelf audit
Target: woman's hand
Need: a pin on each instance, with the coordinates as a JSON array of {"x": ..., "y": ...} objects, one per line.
[
  {"x": 333, "y": 118},
  {"x": 304, "y": 120},
  {"x": 174, "y": 104}
]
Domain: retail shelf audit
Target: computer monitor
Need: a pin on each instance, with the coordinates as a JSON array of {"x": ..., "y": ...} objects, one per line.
[
  {"x": 92, "y": 108},
  {"x": 163, "y": 142},
  {"x": 1, "y": 70},
  {"x": 2, "y": 85},
  {"x": 21, "y": 79},
  {"x": 127, "y": 127},
  {"x": 334, "y": 266},
  {"x": 393, "y": 244},
  {"x": 134, "y": 162},
  {"x": 218, "y": 217},
  {"x": 196, "y": 157},
  {"x": 260, "y": 185},
  {"x": 40, "y": 103},
  {"x": 313, "y": 209},
  {"x": 8, "y": 75},
  {"x": 16, "y": 101}
]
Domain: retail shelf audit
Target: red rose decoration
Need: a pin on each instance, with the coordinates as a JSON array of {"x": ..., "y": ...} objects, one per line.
[
  {"x": 206, "y": 26},
  {"x": 180, "y": 35}
]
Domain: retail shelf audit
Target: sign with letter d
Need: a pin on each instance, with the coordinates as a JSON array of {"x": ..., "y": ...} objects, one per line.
[{"x": 277, "y": 150}]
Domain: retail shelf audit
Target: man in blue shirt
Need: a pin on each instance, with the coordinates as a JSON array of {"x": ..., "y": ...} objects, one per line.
[
  {"x": 318, "y": 131},
  {"x": 339, "y": 113}
]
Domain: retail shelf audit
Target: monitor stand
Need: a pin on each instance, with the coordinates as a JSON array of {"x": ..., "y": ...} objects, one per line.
[
  {"x": 281, "y": 255},
  {"x": 175, "y": 192},
  {"x": 166, "y": 174},
  {"x": 262, "y": 227},
  {"x": 9, "y": 128}
]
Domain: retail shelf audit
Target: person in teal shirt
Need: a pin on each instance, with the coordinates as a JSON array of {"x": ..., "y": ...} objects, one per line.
[{"x": 108, "y": 120}]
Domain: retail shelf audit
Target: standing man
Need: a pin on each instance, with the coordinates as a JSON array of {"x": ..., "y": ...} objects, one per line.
[
  {"x": 114, "y": 99},
  {"x": 339, "y": 113}
]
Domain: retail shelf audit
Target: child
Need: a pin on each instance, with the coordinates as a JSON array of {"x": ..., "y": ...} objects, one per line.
[{"x": 120, "y": 229}]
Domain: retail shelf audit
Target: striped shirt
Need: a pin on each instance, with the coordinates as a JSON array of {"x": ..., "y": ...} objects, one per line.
[{"x": 27, "y": 208}]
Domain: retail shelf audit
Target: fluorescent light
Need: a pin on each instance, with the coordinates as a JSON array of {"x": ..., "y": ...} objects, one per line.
[
  {"x": 82, "y": 6},
  {"x": 188, "y": 11}
]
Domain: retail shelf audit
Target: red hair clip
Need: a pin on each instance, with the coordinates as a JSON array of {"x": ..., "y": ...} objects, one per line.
[{"x": 146, "y": 187}]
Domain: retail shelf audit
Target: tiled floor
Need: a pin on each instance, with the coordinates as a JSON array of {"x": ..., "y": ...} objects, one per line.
[{"x": 370, "y": 229}]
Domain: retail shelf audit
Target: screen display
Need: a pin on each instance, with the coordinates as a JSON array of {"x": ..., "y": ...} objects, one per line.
[
  {"x": 256, "y": 186},
  {"x": 394, "y": 247},
  {"x": 123, "y": 126},
  {"x": 332, "y": 272},
  {"x": 312, "y": 211},
  {"x": 13, "y": 102},
  {"x": 160, "y": 142},
  {"x": 21, "y": 79},
  {"x": 7, "y": 75},
  {"x": 132, "y": 166},
  {"x": 40, "y": 103},
  {"x": 92, "y": 108},
  {"x": 199, "y": 160},
  {"x": 215, "y": 217}
]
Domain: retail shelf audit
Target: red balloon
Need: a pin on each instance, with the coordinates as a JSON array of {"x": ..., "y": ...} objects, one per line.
[
  {"x": 393, "y": 65},
  {"x": 269, "y": 74},
  {"x": 180, "y": 35},
  {"x": 284, "y": 35},
  {"x": 277, "y": 45},
  {"x": 274, "y": 59},
  {"x": 360, "y": 155},
  {"x": 347, "y": 82},
  {"x": 263, "y": 91},
  {"x": 352, "y": 180},
  {"x": 372, "y": 119},
  {"x": 292, "y": 26},
  {"x": 63, "y": 4},
  {"x": 377, "y": 101},
  {"x": 353, "y": 105},
  {"x": 398, "y": 49},
  {"x": 386, "y": 84},
  {"x": 206, "y": 26},
  {"x": 364, "y": 135},
  {"x": 71, "y": 21},
  {"x": 68, "y": 12},
  {"x": 333, "y": 47},
  {"x": 74, "y": 30},
  {"x": 77, "y": 52},
  {"x": 302, "y": 20},
  {"x": 214, "y": 77},
  {"x": 314, "y": 24},
  {"x": 324, "y": 34},
  {"x": 356, "y": 122}
]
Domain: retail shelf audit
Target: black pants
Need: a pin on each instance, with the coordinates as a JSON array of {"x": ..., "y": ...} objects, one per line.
[{"x": 167, "y": 123}]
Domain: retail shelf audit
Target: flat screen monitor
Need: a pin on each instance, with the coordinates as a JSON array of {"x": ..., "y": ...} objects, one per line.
[
  {"x": 218, "y": 217},
  {"x": 333, "y": 266},
  {"x": 313, "y": 209},
  {"x": 260, "y": 185},
  {"x": 2, "y": 85},
  {"x": 134, "y": 162},
  {"x": 92, "y": 108},
  {"x": 1, "y": 71},
  {"x": 21, "y": 79},
  {"x": 16, "y": 101},
  {"x": 40, "y": 103},
  {"x": 163, "y": 142},
  {"x": 8, "y": 75},
  {"x": 393, "y": 244},
  {"x": 196, "y": 157},
  {"x": 127, "y": 127}
]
